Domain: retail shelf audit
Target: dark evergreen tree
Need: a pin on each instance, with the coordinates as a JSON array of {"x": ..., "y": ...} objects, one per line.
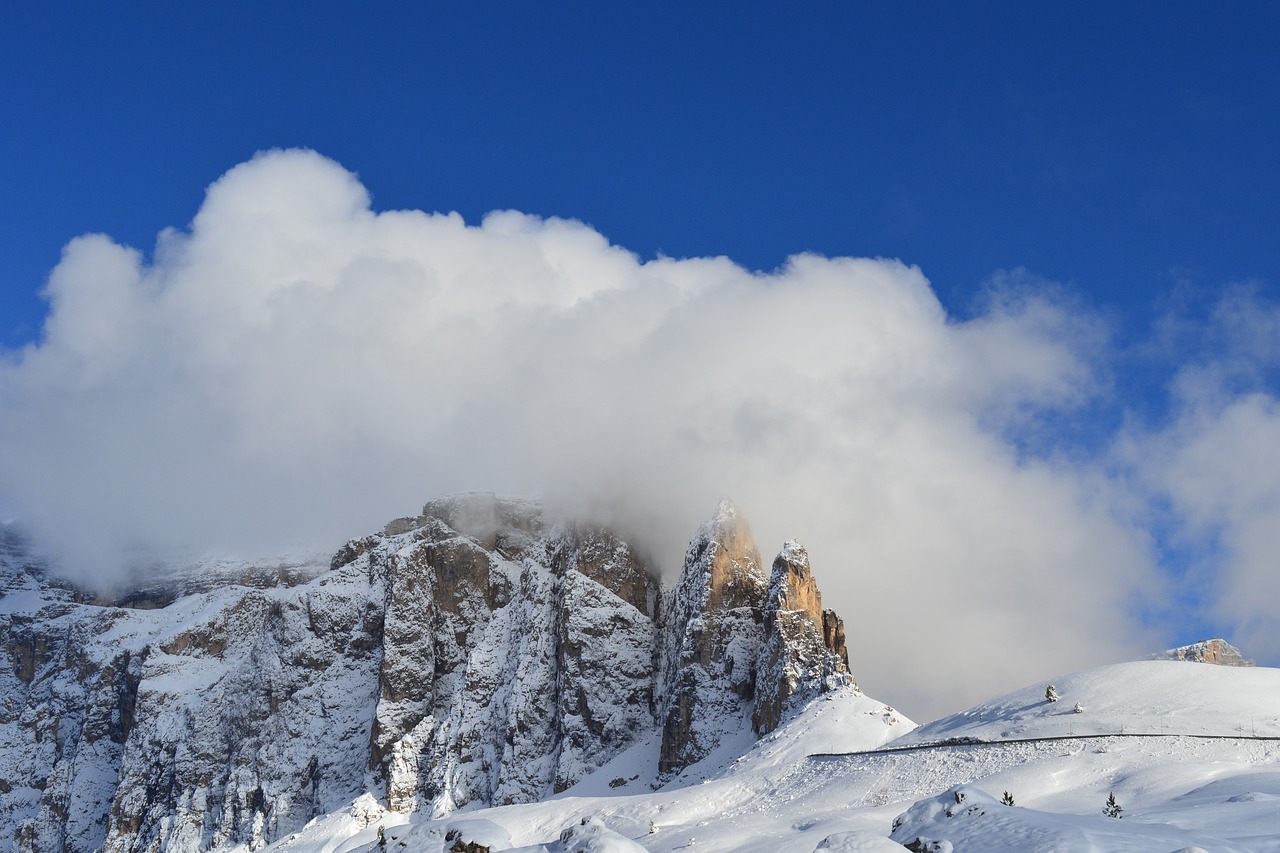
[
  {"x": 1007, "y": 799},
  {"x": 1112, "y": 808}
]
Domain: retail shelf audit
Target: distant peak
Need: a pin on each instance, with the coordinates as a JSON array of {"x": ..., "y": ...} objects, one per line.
[{"x": 1215, "y": 651}]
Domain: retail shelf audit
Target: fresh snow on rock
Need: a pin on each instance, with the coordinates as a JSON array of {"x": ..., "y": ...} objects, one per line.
[{"x": 1216, "y": 651}]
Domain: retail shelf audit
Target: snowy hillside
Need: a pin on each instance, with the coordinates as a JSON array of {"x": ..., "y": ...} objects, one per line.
[
  {"x": 1143, "y": 697},
  {"x": 747, "y": 800},
  {"x": 791, "y": 793}
]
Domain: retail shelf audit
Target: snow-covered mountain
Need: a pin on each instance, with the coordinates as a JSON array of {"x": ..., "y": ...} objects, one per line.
[
  {"x": 466, "y": 657},
  {"x": 472, "y": 680}
]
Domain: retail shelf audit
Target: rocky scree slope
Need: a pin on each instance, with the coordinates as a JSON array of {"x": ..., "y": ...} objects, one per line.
[{"x": 468, "y": 656}]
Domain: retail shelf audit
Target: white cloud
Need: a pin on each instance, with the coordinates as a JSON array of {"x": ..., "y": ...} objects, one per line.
[
  {"x": 298, "y": 368},
  {"x": 1216, "y": 465}
]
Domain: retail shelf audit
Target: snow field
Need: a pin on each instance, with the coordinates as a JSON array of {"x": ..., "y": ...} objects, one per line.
[{"x": 789, "y": 793}]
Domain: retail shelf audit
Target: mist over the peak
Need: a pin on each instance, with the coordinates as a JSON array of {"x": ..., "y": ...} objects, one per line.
[{"x": 295, "y": 369}]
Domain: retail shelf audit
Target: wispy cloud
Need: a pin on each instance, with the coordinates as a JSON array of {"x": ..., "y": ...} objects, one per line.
[{"x": 1214, "y": 464}]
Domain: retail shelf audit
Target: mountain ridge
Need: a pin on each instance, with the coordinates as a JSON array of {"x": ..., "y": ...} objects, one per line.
[{"x": 468, "y": 656}]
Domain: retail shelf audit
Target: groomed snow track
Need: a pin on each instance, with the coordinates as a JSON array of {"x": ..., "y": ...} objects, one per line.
[
  {"x": 908, "y": 773},
  {"x": 961, "y": 741}
]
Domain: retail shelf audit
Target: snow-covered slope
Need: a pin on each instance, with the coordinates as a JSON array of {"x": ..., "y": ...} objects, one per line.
[
  {"x": 968, "y": 819},
  {"x": 792, "y": 791},
  {"x": 761, "y": 798},
  {"x": 1142, "y": 697}
]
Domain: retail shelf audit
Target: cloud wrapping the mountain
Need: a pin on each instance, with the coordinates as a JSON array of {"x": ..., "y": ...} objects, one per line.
[{"x": 296, "y": 368}]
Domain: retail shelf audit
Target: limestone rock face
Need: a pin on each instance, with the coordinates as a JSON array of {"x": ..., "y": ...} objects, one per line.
[
  {"x": 1218, "y": 652},
  {"x": 791, "y": 584},
  {"x": 741, "y": 648},
  {"x": 515, "y": 659},
  {"x": 65, "y": 714},
  {"x": 803, "y": 653},
  {"x": 471, "y": 654},
  {"x": 186, "y": 727},
  {"x": 833, "y": 636},
  {"x": 244, "y": 723},
  {"x": 712, "y": 637}
]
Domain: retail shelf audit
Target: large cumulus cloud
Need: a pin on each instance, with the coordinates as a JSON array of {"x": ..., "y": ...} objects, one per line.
[{"x": 295, "y": 368}]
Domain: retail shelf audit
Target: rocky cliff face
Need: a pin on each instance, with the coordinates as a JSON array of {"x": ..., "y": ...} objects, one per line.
[
  {"x": 470, "y": 654},
  {"x": 1218, "y": 652},
  {"x": 738, "y": 639},
  {"x": 804, "y": 651},
  {"x": 711, "y": 641}
]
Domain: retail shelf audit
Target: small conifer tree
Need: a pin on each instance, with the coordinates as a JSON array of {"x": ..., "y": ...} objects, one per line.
[
  {"x": 1112, "y": 808},
  {"x": 1007, "y": 799},
  {"x": 1051, "y": 694}
]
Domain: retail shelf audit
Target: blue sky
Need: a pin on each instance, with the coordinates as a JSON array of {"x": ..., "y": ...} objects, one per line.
[
  {"x": 1084, "y": 392},
  {"x": 1121, "y": 148}
]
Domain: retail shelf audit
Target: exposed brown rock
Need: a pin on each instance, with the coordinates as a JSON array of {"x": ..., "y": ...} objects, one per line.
[
  {"x": 460, "y": 569},
  {"x": 403, "y": 525},
  {"x": 803, "y": 652},
  {"x": 833, "y": 636},
  {"x": 461, "y": 846},
  {"x": 796, "y": 589},
  {"x": 598, "y": 554},
  {"x": 1215, "y": 651},
  {"x": 735, "y": 640},
  {"x": 735, "y": 578},
  {"x": 712, "y": 638},
  {"x": 351, "y": 551}
]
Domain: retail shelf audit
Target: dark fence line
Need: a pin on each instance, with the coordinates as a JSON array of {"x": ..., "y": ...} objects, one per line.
[{"x": 970, "y": 741}]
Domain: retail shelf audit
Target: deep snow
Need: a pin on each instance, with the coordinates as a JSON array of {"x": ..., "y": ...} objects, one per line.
[{"x": 1183, "y": 746}]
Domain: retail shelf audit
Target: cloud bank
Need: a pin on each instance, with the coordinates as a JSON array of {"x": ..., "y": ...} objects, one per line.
[
  {"x": 1215, "y": 467},
  {"x": 295, "y": 368}
]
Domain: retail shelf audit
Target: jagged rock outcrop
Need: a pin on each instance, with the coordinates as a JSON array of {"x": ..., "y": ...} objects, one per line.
[
  {"x": 470, "y": 654},
  {"x": 1215, "y": 651},
  {"x": 804, "y": 651},
  {"x": 504, "y": 680},
  {"x": 712, "y": 638},
  {"x": 738, "y": 640}
]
